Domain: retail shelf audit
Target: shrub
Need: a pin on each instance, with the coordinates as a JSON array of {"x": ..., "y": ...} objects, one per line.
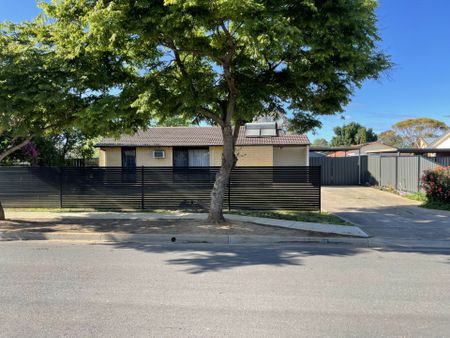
[{"x": 436, "y": 184}]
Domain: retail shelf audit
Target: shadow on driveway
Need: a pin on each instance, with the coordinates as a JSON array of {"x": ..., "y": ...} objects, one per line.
[{"x": 386, "y": 215}]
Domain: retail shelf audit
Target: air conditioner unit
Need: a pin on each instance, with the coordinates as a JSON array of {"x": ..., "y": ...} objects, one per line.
[{"x": 159, "y": 154}]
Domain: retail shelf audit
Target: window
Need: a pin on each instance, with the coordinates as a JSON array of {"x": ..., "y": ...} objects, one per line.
[
  {"x": 191, "y": 165},
  {"x": 198, "y": 157},
  {"x": 194, "y": 157}
]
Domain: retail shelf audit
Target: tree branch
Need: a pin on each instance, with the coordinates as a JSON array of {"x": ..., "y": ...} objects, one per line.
[
  {"x": 12, "y": 149},
  {"x": 210, "y": 115}
]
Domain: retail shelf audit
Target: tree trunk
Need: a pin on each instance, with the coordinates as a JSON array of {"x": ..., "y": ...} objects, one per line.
[
  {"x": 222, "y": 178},
  {"x": 12, "y": 149},
  {"x": 2, "y": 212}
]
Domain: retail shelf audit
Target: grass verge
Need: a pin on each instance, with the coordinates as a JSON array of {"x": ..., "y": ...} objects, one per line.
[
  {"x": 291, "y": 215},
  {"x": 426, "y": 203}
]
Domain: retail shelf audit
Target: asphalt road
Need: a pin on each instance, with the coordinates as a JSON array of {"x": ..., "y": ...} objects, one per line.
[{"x": 56, "y": 289}]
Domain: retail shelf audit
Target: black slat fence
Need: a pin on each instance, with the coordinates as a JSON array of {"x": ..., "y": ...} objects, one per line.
[{"x": 256, "y": 188}]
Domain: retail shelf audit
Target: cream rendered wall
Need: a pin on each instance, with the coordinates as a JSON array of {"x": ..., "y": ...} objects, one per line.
[
  {"x": 110, "y": 157},
  {"x": 101, "y": 158},
  {"x": 215, "y": 156},
  {"x": 144, "y": 157},
  {"x": 247, "y": 156},
  {"x": 290, "y": 156}
]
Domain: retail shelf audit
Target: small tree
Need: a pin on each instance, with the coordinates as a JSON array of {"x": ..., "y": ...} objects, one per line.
[
  {"x": 225, "y": 62},
  {"x": 320, "y": 142},
  {"x": 352, "y": 133},
  {"x": 412, "y": 130}
]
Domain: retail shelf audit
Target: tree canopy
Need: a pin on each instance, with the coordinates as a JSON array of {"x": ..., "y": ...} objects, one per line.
[
  {"x": 352, "y": 133},
  {"x": 391, "y": 138},
  {"x": 35, "y": 95},
  {"x": 320, "y": 142},
  {"x": 202, "y": 58},
  {"x": 224, "y": 62},
  {"x": 411, "y": 130}
]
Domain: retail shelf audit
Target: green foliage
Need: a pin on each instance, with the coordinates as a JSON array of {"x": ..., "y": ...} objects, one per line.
[
  {"x": 36, "y": 96},
  {"x": 428, "y": 203},
  {"x": 320, "y": 142},
  {"x": 412, "y": 130},
  {"x": 418, "y": 196},
  {"x": 436, "y": 184},
  {"x": 52, "y": 150},
  {"x": 218, "y": 61},
  {"x": 352, "y": 133}
]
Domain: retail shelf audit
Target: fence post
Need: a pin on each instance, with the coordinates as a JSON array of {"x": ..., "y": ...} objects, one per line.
[
  {"x": 419, "y": 176},
  {"x": 229, "y": 193},
  {"x": 61, "y": 187},
  {"x": 142, "y": 188},
  {"x": 379, "y": 181},
  {"x": 396, "y": 173},
  {"x": 359, "y": 166},
  {"x": 320, "y": 188}
]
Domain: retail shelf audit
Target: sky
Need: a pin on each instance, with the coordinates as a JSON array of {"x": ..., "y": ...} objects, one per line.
[{"x": 415, "y": 33}]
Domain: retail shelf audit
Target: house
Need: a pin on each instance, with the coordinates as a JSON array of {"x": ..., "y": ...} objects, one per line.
[
  {"x": 258, "y": 144},
  {"x": 362, "y": 149},
  {"x": 442, "y": 142}
]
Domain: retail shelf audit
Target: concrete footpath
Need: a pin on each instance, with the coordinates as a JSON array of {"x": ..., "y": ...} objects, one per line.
[
  {"x": 335, "y": 234},
  {"x": 321, "y": 228}
]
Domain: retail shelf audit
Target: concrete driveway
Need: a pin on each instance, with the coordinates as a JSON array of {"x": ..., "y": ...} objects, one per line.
[{"x": 386, "y": 215}]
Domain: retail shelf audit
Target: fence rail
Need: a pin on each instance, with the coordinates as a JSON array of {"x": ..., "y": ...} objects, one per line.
[{"x": 257, "y": 188}]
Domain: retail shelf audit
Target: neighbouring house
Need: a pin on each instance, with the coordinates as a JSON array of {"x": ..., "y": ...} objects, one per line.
[
  {"x": 363, "y": 149},
  {"x": 258, "y": 144},
  {"x": 442, "y": 142}
]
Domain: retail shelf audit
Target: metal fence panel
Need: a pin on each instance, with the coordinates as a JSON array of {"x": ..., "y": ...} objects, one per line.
[
  {"x": 388, "y": 170},
  {"x": 402, "y": 173},
  {"x": 338, "y": 170},
  {"x": 373, "y": 169},
  {"x": 31, "y": 187},
  {"x": 408, "y": 177},
  {"x": 258, "y": 188},
  {"x": 296, "y": 188},
  {"x": 172, "y": 188},
  {"x": 94, "y": 187},
  {"x": 443, "y": 161}
]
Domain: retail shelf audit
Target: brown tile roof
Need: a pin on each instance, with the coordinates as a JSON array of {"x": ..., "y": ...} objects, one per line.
[{"x": 195, "y": 136}]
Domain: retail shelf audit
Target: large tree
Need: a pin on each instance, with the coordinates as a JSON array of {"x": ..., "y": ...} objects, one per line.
[
  {"x": 225, "y": 62},
  {"x": 391, "y": 138},
  {"x": 411, "y": 130},
  {"x": 352, "y": 133}
]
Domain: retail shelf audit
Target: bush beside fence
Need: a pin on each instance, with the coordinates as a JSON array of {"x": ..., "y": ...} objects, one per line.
[{"x": 436, "y": 184}]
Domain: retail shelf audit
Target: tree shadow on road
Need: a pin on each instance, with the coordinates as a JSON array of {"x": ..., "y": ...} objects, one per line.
[{"x": 200, "y": 258}]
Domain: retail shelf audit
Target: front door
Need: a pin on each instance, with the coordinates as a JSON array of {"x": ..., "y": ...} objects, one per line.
[
  {"x": 129, "y": 157},
  {"x": 181, "y": 158}
]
